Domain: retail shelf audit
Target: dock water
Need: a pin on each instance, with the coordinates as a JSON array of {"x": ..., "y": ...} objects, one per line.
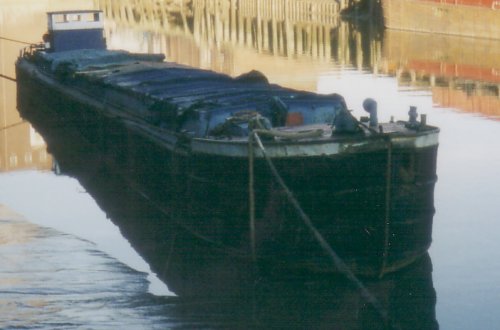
[
  {"x": 53, "y": 280},
  {"x": 452, "y": 79}
]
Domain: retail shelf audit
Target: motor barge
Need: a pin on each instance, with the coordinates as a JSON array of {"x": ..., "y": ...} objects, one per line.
[{"x": 198, "y": 144}]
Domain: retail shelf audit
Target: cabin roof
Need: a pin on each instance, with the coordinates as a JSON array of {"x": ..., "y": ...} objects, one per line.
[{"x": 82, "y": 11}]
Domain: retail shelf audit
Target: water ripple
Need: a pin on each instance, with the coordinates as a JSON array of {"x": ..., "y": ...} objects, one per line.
[{"x": 51, "y": 280}]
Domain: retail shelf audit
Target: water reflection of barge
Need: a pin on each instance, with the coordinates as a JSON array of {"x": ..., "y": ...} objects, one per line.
[{"x": 182, "y": 136}]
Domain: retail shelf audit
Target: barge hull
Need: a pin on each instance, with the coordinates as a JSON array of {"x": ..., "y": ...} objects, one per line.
[{"x": 375, "y": 209}]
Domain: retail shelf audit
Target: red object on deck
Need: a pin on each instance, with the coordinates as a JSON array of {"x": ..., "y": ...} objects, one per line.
[{"x": 294, "y": 119}]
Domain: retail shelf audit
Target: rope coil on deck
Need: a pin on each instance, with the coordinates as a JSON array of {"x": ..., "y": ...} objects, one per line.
[{"x": 256, "y": 126}]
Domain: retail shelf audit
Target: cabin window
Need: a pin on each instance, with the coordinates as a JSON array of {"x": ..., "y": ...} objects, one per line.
[{"x": 84, "y": 17}]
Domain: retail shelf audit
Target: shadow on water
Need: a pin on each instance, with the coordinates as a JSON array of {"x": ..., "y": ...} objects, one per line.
[{"x": 215, "y": 286}]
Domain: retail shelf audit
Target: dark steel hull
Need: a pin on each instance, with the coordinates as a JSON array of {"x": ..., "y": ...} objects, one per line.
[
  {"x": 375, "y": 208},
  {"x": 196, "y": 269}
]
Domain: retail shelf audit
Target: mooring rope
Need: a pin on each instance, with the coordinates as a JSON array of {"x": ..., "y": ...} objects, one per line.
[
  {"x": 13, "y": 125},
  {"x": 337, "y": 261},
  {"x": 8, "y": 78},
  {"x": 14, "y": 40},
  {"x": 255, "y": 120}
]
